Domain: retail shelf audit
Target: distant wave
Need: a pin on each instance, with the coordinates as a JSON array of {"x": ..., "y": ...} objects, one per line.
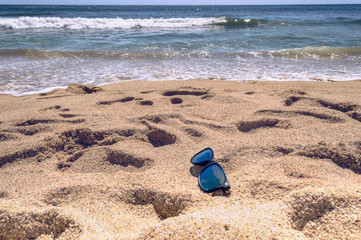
[
  {"x": 239, "y": 22},
  {"x": 296, "y": 53},
  {"x": 120, "y": 23},
  {"x": 356, "y": 21},
  {"x": 23, "y": 14}
]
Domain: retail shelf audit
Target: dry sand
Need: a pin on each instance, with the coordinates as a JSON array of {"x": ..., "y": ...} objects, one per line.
[{"x": 112, "y": 162}]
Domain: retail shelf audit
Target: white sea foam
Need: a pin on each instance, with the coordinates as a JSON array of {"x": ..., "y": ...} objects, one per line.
[
  {"x": 104, "y": 23},
  {"x": 23, "y": 75}
]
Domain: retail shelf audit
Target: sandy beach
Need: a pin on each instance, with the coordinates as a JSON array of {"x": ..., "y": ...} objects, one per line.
[{"x": 113, "y": 162}]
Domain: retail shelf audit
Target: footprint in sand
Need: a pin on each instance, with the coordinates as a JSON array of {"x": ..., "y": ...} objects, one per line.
[
  {"x": 192, "y": 91},
  {"x": 68, "y": 142},
  {"x": 247, "y": 126},
  {"x": 57, "y": 107},
  {"x": 146, "y": 103},
  {"x": 122, "y": 100},
  {"x": 321, "y": 116},
  {"x": 344, "y": 155},
  {"x": 176, "y": 100},
  {"x": 6, "y": 136},
  {"x": 291, "y": 100},
  {"x": 105, "y": 160},
  {"x": 159, "y": 137},
  {"x": 187, "y": 91},
  {"x": 68, "y": 115},
  {"x": 352, "y": 110}
]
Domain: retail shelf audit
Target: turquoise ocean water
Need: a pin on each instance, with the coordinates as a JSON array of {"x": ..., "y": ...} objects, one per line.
[{"x": 44, "y": 47}]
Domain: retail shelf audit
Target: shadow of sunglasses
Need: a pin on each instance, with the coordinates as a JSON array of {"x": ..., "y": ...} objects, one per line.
[{"x": 212, "y": 177}]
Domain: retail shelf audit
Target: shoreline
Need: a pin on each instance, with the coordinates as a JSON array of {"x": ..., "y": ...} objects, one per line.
[
  {"x": 51, "y": 89},
  {"x": 112, "y": 161}
]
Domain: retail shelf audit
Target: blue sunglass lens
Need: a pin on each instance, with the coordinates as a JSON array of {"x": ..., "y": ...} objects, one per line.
[
  {"x": 203, "y": 156},
  {"x": 212, "y": 177}
]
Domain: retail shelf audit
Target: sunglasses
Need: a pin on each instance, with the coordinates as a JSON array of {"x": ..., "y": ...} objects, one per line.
[{"x": 212, "y": 176}]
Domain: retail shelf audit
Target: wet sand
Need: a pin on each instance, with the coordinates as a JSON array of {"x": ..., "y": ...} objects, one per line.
[{"x": 112, "y": 162}]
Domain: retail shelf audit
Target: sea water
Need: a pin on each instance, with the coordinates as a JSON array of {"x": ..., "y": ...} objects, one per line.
[{"x": 44, "y": 47}]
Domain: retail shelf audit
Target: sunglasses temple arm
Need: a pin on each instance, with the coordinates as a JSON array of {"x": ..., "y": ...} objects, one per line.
[{"x": 226, "y": 191}]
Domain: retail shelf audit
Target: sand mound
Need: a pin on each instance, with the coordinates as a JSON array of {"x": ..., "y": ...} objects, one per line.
[
  {"x": 165, "y": 205},
  {"x": 323, "y": 213},
  {"x": 83, "y": 89},
  {"x": 32, "y": 225},
  {"x": 344, "y": 155}
]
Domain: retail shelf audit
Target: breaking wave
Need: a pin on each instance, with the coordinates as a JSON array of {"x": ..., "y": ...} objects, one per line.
[{"x": 120, "y": 23}]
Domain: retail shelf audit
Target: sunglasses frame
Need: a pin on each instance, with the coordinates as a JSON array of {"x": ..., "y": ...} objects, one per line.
[{"x": 225, "y": 186}]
